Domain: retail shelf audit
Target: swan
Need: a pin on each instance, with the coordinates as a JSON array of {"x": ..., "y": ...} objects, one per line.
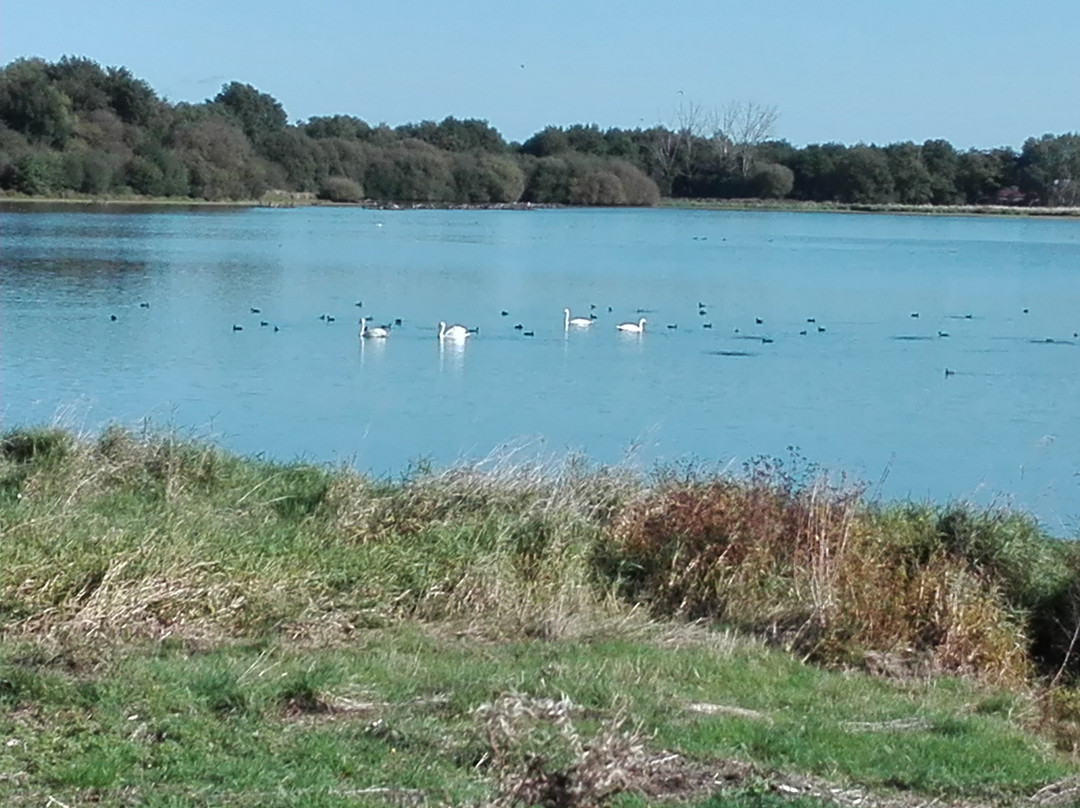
[
  {"x": 633, "y": 328},
  {"x": 455, "y": 332},
  {"x": 577, "y": 322},
  {"x": 378, "y": 331}
]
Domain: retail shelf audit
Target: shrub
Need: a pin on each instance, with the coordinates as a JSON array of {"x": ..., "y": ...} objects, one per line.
[{"x": 340, "y": 189}]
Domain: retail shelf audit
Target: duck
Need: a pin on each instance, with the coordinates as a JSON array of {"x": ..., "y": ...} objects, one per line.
[
  {"x": 379, "y": 332},
  {"x": 577, "y": 322},
  {"x": 633, "y": 328},
  {"x": 455, "y": 332}
]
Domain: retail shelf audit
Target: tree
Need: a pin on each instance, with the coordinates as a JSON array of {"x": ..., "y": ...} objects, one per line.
[
  {"x": 481, "y": 178},
  {"x": 339, "y": 126},
  {"x": 862, "y": 176},
  {"x": 941, "y": 161},
  {"x": 1050, "y": 166},
  {"x": 980, "y": 175},
  {"x": 220, "y": 160},
  {"x": 911, "y": 178},
  {"x": 32, "y": 105},
  {"x": 815, "y": 168},
  {"x": 739, "y": 128},
  {"x": 83, "y": 81},
  {"x": 257, "y": 114},
  {"x": 456, "y": 136},
  {"x": 132, "y": 99},
  {"x": 547, "y": 142},
  {"x": 587, "y": 139}
]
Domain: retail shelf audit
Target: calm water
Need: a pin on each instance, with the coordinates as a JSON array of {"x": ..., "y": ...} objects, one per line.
[{"x": 868, "y": 396}]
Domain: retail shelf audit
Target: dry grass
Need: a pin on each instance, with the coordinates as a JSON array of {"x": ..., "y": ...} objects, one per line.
[{"x": 151, "y": 536}]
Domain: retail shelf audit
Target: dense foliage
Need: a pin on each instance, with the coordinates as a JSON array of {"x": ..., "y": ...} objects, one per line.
[{"x": 75, "y": 127}]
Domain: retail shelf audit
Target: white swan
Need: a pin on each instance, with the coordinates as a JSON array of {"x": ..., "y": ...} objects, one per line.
[
  {"x": 455, "y": 332},
  {"x": 578, "y": 322},
  {"x": 378, "y": 332},
  {"x": 633, "y": 328}
]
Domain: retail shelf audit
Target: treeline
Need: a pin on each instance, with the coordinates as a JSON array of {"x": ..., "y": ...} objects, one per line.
[{"x": 75, "y": 127}]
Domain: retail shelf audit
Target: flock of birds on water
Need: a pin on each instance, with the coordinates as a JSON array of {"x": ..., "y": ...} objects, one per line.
[{"x": 458, "y": 334}]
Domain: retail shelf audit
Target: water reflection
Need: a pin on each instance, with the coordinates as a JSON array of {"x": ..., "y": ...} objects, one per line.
[
  {"x": 451, "y": 356},
  {"x": 371, "y": 349}
]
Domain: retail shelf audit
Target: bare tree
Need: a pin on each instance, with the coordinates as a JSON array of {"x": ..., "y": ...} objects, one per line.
[
  {"x": 672, "y": 147},
  {"x": 738, "y": 128}
]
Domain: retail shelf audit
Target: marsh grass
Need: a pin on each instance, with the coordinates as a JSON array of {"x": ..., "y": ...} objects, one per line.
[{"x": 307, "y": 631}]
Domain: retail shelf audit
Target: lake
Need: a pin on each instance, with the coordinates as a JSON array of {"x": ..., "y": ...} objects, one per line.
[{"x": 813, "y": 344}]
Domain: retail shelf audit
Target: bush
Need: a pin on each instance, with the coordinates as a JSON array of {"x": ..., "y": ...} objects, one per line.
[{"x": 340, "y": 189}]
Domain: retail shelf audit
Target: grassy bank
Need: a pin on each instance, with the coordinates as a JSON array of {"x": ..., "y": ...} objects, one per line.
[
  {"x": 182, "y": 626},
  {"x": 793, "y": 205}
]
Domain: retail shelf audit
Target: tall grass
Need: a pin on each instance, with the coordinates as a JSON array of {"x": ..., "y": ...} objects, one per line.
[{"x": 131, "y": 535}]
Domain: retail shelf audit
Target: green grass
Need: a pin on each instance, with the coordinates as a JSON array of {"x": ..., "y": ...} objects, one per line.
[
  {"x": 182, "y": 626},
  {"x": 397, "y": 708}
]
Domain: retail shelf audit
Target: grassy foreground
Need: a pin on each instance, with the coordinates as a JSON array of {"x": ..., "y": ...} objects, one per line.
[{"x": 182, "y": 626}]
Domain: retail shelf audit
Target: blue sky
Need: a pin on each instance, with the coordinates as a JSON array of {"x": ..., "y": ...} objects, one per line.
[{"x": 979, "y": 73}]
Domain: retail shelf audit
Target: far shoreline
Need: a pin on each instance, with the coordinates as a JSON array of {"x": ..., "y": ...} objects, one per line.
[{"x": 272, "y": 200}]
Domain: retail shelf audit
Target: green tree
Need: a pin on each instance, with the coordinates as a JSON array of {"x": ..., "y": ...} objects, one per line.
[
  {"x": 297, "y": 156},
  {"x": 39, "y": 173},
  {"x": 258, "y": 115},
  {"x": 587, "y": 139},
  {"x": 412, "y": 171},
  {"x": 548, "y": 180},
  {"x": 453, "y": 135},
  {"x": 220, "y": 161},
  {"x": 32, "y": 105},
  {"x": 1050, "y": 167},
  {"x": 547, "y": 142},
  {"x": 481, "y": 178},
  {"x": 132, "y": 99},
  {"x": 911, "y": 178},
  {"x": 941, "y": 161},
  {"x": 862, "y": 176},
  {"x": 337, "y": 126},
  {"x": 83, "y": 81},
  {"x": 770, "y": 181},
  {"x": 980, "y": 175}
]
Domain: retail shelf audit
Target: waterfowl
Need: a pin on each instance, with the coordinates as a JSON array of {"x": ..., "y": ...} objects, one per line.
[
  {"x": 255, "y": 310},
  {"x": 379, "y": 332},
  {"x": 237, "y": 327},
  {"x": 577, "y": 322},
  {"x": 633, "y": 328},
  {"x": 455, "y": 332},
  {"x": 528, "y": 333},
  {"x": 112, "y": 317},
  {"x": 518, "y": 327}
]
